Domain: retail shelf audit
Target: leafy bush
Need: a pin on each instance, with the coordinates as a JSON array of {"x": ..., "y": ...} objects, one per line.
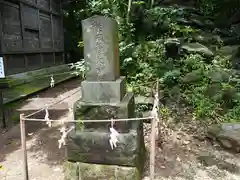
[{"x": 202, "y": 83}]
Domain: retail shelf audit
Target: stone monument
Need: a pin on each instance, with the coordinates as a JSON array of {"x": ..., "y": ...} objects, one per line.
[{"x": 104, "y": 96}]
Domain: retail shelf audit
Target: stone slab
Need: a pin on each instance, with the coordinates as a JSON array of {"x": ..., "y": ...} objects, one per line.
[
  {"x": 26, "y": 77},
  {"x": 104, "y": 91},
  {"x": 85, "y": 171},
  {"x": 23, "y": 84},
  {"x": 94, "y": 147},
  {"x": 87, "y": 111},
  {"x": 101, "y": 50},
  {"x": 24, "y": 90},
  {"x": 71, "y": 170}
]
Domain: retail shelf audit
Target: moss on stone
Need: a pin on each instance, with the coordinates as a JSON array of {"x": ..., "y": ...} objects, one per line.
[
  {"x": 24, "y": 90},
  {"x": 85, "y": 171},
  {"x": 71, "y": 171}
]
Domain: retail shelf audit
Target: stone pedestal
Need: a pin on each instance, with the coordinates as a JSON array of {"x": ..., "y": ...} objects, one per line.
[
  {"x": 104, "y": 91},
  {"x": 104, "y": 96},
  {"x": 90, "y": 142},
  {"x": 86, "y": 171}
]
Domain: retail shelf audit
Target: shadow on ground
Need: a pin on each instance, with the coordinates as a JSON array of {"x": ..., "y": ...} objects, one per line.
[{"x": 39, "y": 136}]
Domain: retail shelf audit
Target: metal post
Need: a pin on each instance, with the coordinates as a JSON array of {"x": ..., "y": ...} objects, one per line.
[
  {"x": 24, "y": 149},
  {"x": 152, "y": 149},
  {"x": 153, "y": 134},
  {"x": 2, "y": 109}
]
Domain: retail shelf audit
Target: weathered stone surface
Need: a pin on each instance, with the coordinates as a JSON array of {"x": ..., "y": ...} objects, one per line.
[
  {"x": 213, "y": 89},
  {"x": 104, "y": 91},
  {"x": 124, "y": 109},
  {"x": 26, "y": 77},
  {"x": 231, "y": 40},
  {"x": 142, "y": 100},
  {"x": 172, "y": 47},
  {"x": 207, "y": 38},
  {"x": 219, "y": 76},
  {"x": 24, "y": 84},
  {"x": 105, "y": 172},
  {"x": 192, "y": 76},
  {"x": 227, "y": 134},
  {"x": 101, "y": 53},
  {"x": 90, "y": 142},
  {"x": 236, "y": 28},
  {"x": 197, "y": 48},
  {"x": 228, "y": 50},
  {"x": 104, "y": 97},
  {"x": 94, "y": 147},
  {"x": 71, "y": 170},
  {"x": 235, "y": 59}
]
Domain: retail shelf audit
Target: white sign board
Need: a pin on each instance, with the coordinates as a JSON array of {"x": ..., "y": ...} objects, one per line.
[{"x": 2, "y": 73}]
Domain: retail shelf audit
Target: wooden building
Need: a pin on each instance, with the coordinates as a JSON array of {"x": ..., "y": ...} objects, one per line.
[
  {"x": 31, "y": 34},
  {"x": 32, "y": 48}
]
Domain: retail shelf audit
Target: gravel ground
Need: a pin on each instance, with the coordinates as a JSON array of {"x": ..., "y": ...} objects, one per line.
[{"x": 181, "y": 156}]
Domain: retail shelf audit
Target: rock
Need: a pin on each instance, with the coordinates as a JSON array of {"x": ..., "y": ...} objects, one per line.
[
  {"x": 207, "y": 38},
  {"x": 222, "y": 32},
  {"x": 94, "y": 147},
  {"x": 227, "y": 134},
  {"x": 213, "y": 89},
  {"x": 207, "y": 159},
  {"x": 235, "y": 59},
  {"x": 142, "y": 100},
  {"x": 172, "y": 47},
  {"x": 236, "y": 28},
  {"x": 228, "y": 50},
  {"x": 219, "y": 76},
  {"x": 192, "y": 77},
  {"x": 197, "y": 48},
  {"x": 232, "y": 53},
  {"x": 195, "y": 20},
  {"x": 231, "y": 40}
]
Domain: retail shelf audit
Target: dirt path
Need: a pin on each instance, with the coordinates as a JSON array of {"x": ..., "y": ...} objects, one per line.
[
  {"x": 44, "y": 157},
  {"x": 182, "y": 157}
]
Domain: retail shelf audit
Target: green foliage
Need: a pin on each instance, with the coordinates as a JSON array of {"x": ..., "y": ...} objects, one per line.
[
  {"x": 80, "y": 68},
  {"x": 233, "y": 114},
  {"x": 199, "y": 82},
  {"x": 163, "y": 22}
]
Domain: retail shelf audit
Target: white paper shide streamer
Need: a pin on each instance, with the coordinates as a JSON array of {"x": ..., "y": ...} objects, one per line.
[
  {"x": 48, "y": 122},
  {"x": 113, "y": 136},
  {"x": 62, "y": 142},
  {"x": 52, "y": 83},
  {"x": 64, "y": 132}
]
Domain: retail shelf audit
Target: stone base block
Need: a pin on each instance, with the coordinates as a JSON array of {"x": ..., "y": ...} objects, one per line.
[
  {"x": 90, "y": 142},
  {"x": 94, "y": 147},
  {"x": 85, "y": 171},
  {"x": 104, "y": 91},
  {"x": 124, "y": 109}
]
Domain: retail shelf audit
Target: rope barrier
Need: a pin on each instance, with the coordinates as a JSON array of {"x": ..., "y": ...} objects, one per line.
[
  {"x": 36, "y": 77},
  {"x": 91, "y": 120},
  {"x": 113, "y": 133},
  {"x": 29, "y": 115}
]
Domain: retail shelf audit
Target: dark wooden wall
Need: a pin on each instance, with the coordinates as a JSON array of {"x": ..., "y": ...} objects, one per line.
[{"x": 31, "y": 34}]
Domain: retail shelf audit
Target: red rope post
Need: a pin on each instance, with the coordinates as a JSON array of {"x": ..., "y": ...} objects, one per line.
[{"x": 24, "y": 149}]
